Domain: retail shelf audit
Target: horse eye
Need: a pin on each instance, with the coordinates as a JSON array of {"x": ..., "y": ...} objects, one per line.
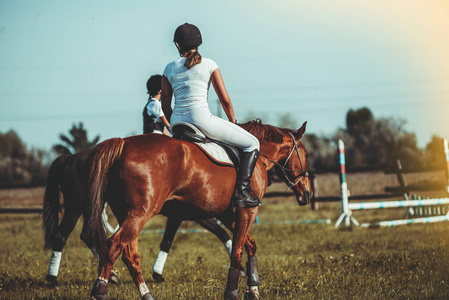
[{"x": 307, "y": 156}]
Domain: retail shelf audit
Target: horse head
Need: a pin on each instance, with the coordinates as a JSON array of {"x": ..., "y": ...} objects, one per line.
[{"x": 293, "y": 168}]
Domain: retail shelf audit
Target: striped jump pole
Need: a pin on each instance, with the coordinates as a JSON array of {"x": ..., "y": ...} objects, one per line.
[
  {"x": 408, "y": 221},
  {"x": 403, "y": 203},
  {"x": 446, "y": 153},
  {"x": 345, "y": 213}
]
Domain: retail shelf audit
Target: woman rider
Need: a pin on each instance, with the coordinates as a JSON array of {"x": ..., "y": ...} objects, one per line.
[{"x": 188, "y": 78}]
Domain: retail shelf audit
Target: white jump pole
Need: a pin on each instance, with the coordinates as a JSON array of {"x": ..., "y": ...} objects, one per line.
[
  {"x": 345, "y": 213},
  {"x": 404, "y": 203},
  {"x": 446, "y": 153},
  {"x": 408, "y": 221}
]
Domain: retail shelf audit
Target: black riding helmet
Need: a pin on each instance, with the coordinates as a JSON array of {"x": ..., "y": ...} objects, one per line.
[{"x": 188, "y": 37}]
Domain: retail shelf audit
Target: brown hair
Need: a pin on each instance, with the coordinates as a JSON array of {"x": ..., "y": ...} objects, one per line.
[{"x": 193, "y": 57}]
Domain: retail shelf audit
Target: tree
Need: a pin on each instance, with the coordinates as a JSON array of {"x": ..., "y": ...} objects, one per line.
[
  {"x": 76, "y": 143},
  {"x": 322, "y": 152},
  {"x": 18, "y": 166},
  {"x": 434, "y": 153},
  {"x": 287, "y": 121}
]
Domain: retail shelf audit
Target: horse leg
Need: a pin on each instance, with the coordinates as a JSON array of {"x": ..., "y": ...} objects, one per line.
[
  {"x": 169, "y": 235},
  {"x": 132, "y": 260},
  {"x": 66, "y": 227},
  {"x": 253, "y": 280},
  {"x": 113, "y": 278},
  {"x": 128, "y": 231},
  {"x": 244, "y": 219},
  {"x": 212, "y": 226}
]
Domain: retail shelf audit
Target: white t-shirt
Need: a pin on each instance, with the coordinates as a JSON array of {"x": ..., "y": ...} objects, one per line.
[
  {"x": 154, "y": 107},
  {"x": 190, "y": 87}
]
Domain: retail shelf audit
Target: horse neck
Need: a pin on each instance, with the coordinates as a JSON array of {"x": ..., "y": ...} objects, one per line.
[{"x": 274, "y": 151}]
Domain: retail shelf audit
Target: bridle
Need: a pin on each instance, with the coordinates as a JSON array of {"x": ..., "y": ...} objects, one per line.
[{"x": 283, "y": 168}]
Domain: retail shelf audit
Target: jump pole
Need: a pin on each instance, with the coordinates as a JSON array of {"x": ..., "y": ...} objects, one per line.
[
  {"x": 446, "y": 153},
  {"x": 408, "y": 221},
  {"x": 345, "y": 213}
]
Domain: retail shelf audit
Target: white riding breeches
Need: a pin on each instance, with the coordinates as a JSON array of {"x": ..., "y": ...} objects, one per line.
[{"x": 218, "y": 129}]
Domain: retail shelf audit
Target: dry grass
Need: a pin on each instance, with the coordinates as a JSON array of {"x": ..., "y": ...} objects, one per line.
[{"x": 302, "y": 261}]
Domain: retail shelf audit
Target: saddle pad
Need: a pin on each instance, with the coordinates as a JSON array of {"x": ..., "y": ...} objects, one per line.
[{"x": 217, "y": 153}]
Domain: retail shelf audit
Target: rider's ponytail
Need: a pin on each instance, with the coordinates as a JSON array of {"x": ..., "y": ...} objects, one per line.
[{"x": 193, "y": 57}]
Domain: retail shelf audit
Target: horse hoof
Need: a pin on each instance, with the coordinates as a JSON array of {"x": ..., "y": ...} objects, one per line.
[
  {"x": 148, "y": 296},
  {"x": 99, "y": 290},
  {"x": 52, "y": 282},
  {"x": 231, "y": 295},
  {"x": 250, "y": 295},
  {"x": 113, "y": 278},
  {"x": 158, "y": 277}
]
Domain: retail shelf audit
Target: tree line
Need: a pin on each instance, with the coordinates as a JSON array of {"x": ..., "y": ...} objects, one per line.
[
  {"x": 375, "y": 144},
  {"x": 370, "y": 143},
  {"x": 22, "y": 167}
]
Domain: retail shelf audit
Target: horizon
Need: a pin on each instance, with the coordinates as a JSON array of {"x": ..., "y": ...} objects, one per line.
[{"x": 64, "y": 62}]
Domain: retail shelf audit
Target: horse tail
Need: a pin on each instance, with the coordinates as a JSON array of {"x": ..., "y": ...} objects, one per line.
[
  {"x": 50, "y": 215},
  {"x": 103, "y": 158}
]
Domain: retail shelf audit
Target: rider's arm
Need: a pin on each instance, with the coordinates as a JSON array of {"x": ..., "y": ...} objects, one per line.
[
  {"x": 166, "y": 96},
  {"x": 220, "y": 89},
  {"x": 164, "y": 120}
]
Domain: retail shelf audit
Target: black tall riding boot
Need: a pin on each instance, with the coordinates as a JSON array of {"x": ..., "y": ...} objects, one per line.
[{"x": 242, "y": 196}]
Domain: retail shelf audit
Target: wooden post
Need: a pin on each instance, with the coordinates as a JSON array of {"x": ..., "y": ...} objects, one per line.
[
  {"x": 314, "y": 185},
  {"x": 401, "y": 179},
  {"x": 446, "y": 153}
]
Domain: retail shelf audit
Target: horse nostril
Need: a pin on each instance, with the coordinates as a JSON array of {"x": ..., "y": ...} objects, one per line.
[{"x": 308, "y": 195}]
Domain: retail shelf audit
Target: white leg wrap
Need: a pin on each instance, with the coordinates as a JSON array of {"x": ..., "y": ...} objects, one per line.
[
  {"x": 255, "y": 291},
  {"x": 160, "y": 262},
  {"x": 104, "y": 279},
  {"x": 143, "y": 289},
  {"x": 228, "y": 246},
  {"x": 95, "y": 253},
  {"x": 55, "y": 261}
]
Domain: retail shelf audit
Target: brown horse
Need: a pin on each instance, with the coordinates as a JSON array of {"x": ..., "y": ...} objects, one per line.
[
  {"x": 138, "y": 175},
  {"x": 69, "y": 174}
]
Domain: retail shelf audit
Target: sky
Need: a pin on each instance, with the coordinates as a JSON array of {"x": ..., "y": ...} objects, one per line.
[{"x": 64, "y": 62}]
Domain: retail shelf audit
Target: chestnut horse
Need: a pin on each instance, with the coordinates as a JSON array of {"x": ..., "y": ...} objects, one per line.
[
  {"x": 142, "y": 177},
  {"x": 69, "y": 174}
]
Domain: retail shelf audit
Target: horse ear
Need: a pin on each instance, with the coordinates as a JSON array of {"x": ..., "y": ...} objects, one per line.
[{"x": 299, "y": 133}]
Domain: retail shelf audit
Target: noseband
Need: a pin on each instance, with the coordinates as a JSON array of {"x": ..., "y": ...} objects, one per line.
[{"x": 283, "y": 168}]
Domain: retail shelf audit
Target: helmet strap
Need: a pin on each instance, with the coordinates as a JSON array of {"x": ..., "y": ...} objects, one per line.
[{"x": 179, "y": 48}]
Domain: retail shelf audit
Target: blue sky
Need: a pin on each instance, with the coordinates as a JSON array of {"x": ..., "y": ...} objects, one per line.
[{"x": 62, "y": 62}]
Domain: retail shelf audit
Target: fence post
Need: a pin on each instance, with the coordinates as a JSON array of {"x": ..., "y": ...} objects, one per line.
[
  {"x": 345, "y": 213},
  {"x": 314, "y": 185},
  {"x": 446, "y": 153}
]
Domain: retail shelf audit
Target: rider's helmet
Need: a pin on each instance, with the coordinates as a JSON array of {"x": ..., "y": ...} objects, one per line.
[{"x": 187, "y": 37}]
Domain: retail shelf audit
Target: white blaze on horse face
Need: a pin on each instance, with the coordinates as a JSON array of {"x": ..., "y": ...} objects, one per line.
[
  {"x": 143, "y": 289},
  {"x": 55, "y": 261}
]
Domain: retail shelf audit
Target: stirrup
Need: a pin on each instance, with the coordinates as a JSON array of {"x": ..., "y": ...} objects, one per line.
[{"x": 246, "y": 203}]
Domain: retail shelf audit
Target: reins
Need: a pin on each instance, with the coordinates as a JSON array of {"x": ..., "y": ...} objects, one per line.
[{"x": 283, "y": 168}]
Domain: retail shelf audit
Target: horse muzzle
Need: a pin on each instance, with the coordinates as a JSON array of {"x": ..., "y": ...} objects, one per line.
[{"x": 305, "y": 198}]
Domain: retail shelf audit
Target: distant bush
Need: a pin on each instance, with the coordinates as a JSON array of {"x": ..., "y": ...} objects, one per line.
[{"x": 20, "y": 167}]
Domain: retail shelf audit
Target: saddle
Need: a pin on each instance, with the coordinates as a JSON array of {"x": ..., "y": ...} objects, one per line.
[{"x": 217, "y": 151}]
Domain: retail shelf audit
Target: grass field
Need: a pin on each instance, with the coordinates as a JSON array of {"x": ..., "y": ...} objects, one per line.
[{"x": 301, "y": 261}]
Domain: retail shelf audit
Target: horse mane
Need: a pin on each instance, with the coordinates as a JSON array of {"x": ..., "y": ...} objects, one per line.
[{"x": 265, "y": 132}]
